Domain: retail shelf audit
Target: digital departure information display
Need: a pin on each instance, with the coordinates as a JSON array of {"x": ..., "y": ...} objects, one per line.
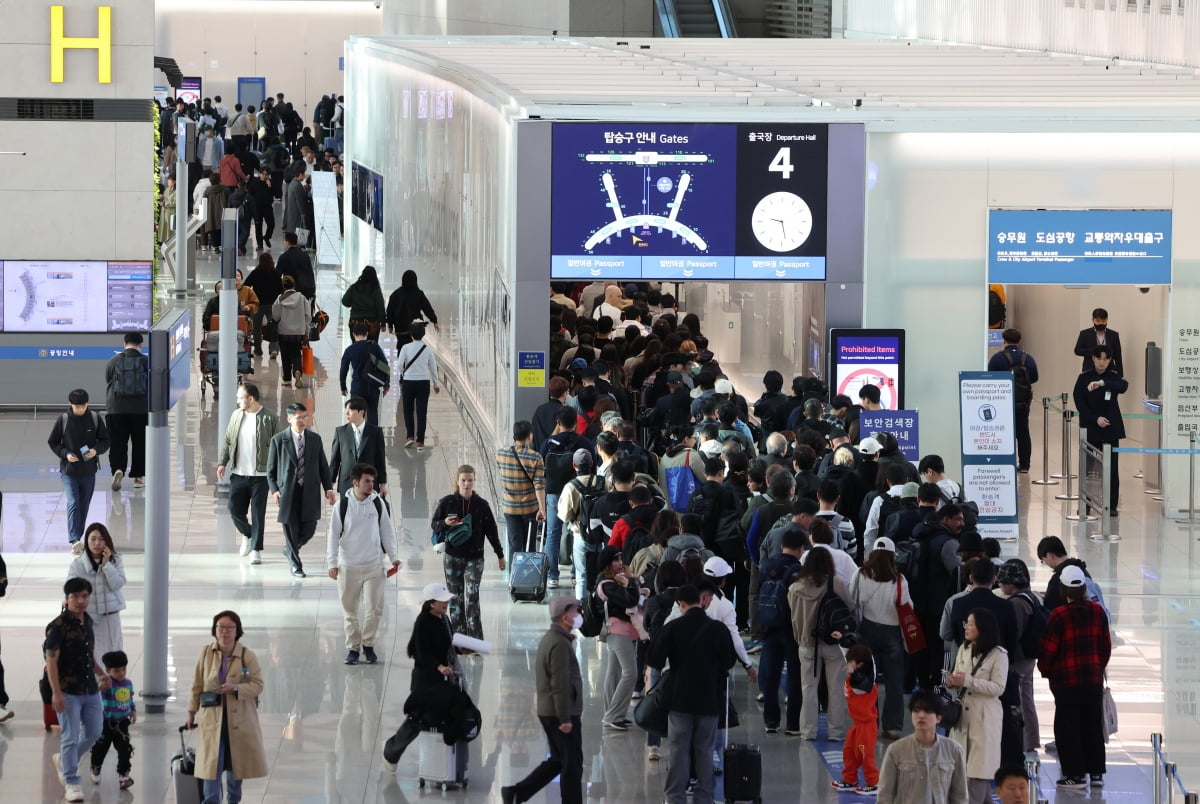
[
  {"x": 76, "y": 296},
  {"x": 689, "y": 201}
]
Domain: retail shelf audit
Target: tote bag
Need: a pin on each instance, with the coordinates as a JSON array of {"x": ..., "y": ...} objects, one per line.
[{"x": 910, "y": 626}]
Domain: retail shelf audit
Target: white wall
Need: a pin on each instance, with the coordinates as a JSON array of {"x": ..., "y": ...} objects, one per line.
[
  {"x": 926, "y": 254},
  {"x": 83, "y": 189},
  {"x": 525, "y": 18},
  {"x": 294, "y": 44}
]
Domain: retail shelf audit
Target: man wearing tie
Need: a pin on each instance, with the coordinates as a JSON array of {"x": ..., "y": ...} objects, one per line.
[
  {"x": 357, "y": 442},
  {"x": 297, "y": 471},
  {"x": 1100, "y": 335}
]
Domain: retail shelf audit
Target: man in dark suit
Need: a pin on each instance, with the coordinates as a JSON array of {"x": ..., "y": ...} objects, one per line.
[
  {"x": 357, "y": 442},
  {"x": 1095, "y": 396},
  {"x": 1099, "y": 335},
  {"x": 700, "y": 652},
  {"x": 297, "y": 471}
]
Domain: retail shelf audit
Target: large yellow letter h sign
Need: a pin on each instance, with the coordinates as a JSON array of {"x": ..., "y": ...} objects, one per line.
[{"x": 101, "y": 43}]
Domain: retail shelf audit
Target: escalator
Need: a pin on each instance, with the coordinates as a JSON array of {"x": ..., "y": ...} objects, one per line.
[{"x": 694, "y": 18}]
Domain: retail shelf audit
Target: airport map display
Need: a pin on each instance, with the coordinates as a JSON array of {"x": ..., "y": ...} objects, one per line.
[
  {"x": 75, "y": 296},
  {"x": 689, "y": 201}
]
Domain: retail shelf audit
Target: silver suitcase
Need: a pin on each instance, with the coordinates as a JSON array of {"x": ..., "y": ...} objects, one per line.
[{"x": 441, "y": 765}]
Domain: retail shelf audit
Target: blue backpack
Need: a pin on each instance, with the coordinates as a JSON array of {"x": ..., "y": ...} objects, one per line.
[{"x": 681, "y": 482}]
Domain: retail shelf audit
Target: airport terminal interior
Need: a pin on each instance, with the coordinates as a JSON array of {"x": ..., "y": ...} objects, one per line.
[{"x": 323, "y": 722}]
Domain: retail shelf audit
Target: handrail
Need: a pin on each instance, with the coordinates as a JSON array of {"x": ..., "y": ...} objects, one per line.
[
  {"x": 725, "y": 19},
  {"x": 668, "y": 18}
]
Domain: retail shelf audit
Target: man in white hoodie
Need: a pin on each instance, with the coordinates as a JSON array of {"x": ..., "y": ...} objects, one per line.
[{"x": 360, "y": 532}]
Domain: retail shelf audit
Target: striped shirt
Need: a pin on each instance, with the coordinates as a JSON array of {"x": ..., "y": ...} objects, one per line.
[{"x": 522, "y": 475}]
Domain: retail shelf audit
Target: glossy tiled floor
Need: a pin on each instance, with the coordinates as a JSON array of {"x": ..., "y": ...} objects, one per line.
[{"x": 323, "y": 722}]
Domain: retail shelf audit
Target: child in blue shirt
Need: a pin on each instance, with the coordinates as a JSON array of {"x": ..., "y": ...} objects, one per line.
[{"x": 120, "y": 712}]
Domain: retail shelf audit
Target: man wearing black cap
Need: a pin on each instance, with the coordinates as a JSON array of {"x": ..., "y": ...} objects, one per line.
[{"x": 559, "y": 708}]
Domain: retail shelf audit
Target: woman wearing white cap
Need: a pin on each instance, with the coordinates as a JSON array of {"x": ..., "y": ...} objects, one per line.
[
  {"x": 877, "y": 589},
  {"x": 435, "y": 662}
]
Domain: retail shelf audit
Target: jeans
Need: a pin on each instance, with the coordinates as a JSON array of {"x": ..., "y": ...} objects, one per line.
[
  {"x": 554, "y": 528},
  {"x": 248, "y": 493},
  {"x": 520, "y": 539},
  {"x": 585, "y": 556},
  {"x": 779, "y": 649},
  {"x": 127, "y": 432},
  {"x": 233, "y": 785},
  {"x": 415, "y": 396},
  {"x": 887, "y": 646},
  {"x": 565, "y": 760},
  {"x": 79, "y": 499},
  {"x": 690, "y": 743},
  {"x": 619, "y": 677},
  {"x": 82, "y": 720}
]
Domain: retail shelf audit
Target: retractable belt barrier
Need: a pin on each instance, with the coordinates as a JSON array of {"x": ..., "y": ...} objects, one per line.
[
  {"x": 1166, "y": 774},
  {"x": 1191, "y": 452}
]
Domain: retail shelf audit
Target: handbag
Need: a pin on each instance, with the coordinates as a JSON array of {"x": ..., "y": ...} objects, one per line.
[
  {"x": 307, "y": 364},
  {"x": 952, "y": 701},
  {"x": 456, "y": 536},
  {"x": 651, "y": 712},
  {"x": 318, "y": 322},
  {"x": 1110, "y": 712},
  {"x": 910, "y": 626}
]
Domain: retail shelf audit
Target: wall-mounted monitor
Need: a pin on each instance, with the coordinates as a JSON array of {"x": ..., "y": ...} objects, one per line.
[
  {"x": 366, "y": 195},
  {"x": 75, "y": 296},
  {"x": 706, "y": 201},
  {"x": 859, "y": 357}
]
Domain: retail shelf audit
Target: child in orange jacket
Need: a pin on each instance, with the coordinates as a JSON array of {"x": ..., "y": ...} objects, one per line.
[{"x": 862, "y": 698}]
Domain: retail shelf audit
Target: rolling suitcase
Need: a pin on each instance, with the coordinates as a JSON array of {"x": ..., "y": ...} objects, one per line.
[
  {"x": 743, "y": 768},
  {"x": 441, "y": 765},
  {"x": 529, "y": 570},
  {"x": 188, "y": 789}
]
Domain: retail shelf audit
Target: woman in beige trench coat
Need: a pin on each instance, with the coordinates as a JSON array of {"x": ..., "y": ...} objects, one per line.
[
  {"x": 230, "y": 738},
  {"x": 981, "y": 671}
]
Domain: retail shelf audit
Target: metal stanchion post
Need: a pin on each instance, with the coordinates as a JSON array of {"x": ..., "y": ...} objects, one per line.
[
  {"x": 1156, "y": 749},
  {"x": 1192, "y": 476},
  {"x": 1066, "y": 472},
  {"x": 1031, "y": 771},
  {"x": 1106, "y": 490},
  {"x": 1191, "y": 798},
  {"x": 1083, "y": 515},
  {"x": 1045, "y": 479},
  {"x": 1169, "y": 772}
]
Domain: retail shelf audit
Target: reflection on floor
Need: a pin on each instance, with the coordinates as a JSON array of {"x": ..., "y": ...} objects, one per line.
[{"x": 323, "y": 722}]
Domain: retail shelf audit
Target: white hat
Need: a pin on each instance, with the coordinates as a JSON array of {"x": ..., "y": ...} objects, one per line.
[
  {"x": 711, "y": 448},
  {"x": 869, "y": 446},
  {"x": 723, "y": 386},
  {"x": 884, "y": 543},
  {"x": 437, "y": 591},
  {"x": 1072, "y": 576},
  {"x": 717, "y": 567}
]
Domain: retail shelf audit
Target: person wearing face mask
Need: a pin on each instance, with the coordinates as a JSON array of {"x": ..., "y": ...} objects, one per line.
[
  {"x": 559, "y": 708},
  {"x": 1099, "y": 335}
]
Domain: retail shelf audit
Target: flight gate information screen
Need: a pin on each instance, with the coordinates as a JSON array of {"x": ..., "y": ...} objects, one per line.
[
  {"x": 674, "y": 201},
  {"x": 75, "y": 296}
]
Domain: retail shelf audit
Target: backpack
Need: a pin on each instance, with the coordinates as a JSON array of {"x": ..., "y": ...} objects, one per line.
[
  {"x": 1023, "y": 388},
  {"x": 637, "y": 539},
  {"x": 1031, "y": 640},
  {"x": 726, "y": 528},
  {"x": 997, "y": 309},
  {"x": 589, "y": 495},
  {"x": 970, "y": 508},
  {"x": 130, "y": 377},
  {"x": 560, "y": 469},
  {"x": 889, "y": 506},
  {"x": 910, "y": 560},
  {"x": 773, "y": 609},
  {"x": 833, "y": 615},
  {"x": 681, "y": 483},
  {"x": 593, "y": 616}
]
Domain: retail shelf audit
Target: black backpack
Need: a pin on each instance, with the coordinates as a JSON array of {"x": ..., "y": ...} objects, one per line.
[
  {"x": 910, "y": 560},
  {"x": 1023, "y": 388},
  {"x": 723, "y": 528},
  {"x": 636, "y": 540},
  {"x": 1031, "y": 639},
  {"x": 589, "y": 495},
  {"x": 560, "y": 468},
  {"x": 593, "y": 616},
  {"x": 130, "y": 377},
  {"x": 833, "y": 615},
  {"x": 773, "y": 609},
  {"x": 997, "y": 309}
]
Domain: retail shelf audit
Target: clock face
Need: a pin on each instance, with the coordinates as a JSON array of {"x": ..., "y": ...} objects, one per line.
[{"x": 782, "y": 221}]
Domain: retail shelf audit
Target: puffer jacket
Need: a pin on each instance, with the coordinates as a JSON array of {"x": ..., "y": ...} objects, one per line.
[{"x": 106, "y": 582}]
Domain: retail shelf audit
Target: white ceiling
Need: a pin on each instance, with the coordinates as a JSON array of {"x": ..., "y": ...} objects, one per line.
[{"x": 888, "y": 84}]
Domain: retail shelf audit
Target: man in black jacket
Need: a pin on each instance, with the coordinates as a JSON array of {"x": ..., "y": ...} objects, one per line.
[
  {"x": 1095, "y": 396},
  {"x": 1099, "y": 335},
  {"x": 357, "y": 442},
  {"x": 295, "y": 262},
  {"x": 700, "y": 652},
  {"x": 78, "y": 438}
]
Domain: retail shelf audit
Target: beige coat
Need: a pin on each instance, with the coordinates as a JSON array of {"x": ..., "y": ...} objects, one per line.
[
  {"x": 978, "y": 732},
  {"x": 241, "y": 710}
]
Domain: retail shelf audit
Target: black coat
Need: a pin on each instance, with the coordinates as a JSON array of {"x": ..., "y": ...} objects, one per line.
[
  {"x": 343, "y": 455},
  {"x": 1086, "y": 342},
  {"x": 1006, "y": 616},
  {"x": 483, "y": 525},
  {"x": 1093, "y": 404},
  {"x": 700, "y": 652},
  {"x": 294, "y": 262},
  {"x": 406, "y": 306}
]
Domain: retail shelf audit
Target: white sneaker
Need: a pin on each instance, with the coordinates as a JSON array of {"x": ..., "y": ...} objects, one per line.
[
  {"x": 6, "y": 714},
  {"x": 117, "y": 475},
  {"x": 77, "y": 547},
  {"x": 256, "y": 556},
  {"x": 652, "y": 753},
  {"x": 246, "y": 545},
  {"x": 74, "y": 793}
]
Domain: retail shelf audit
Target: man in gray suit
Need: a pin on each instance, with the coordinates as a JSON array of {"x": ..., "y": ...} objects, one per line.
[
  {"x": 297, "y": 471},
  {"x": 357, "y": 442}
]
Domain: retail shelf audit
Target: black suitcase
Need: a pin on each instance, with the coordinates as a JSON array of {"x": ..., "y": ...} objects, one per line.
[
  {"x": 743, "y": 773},
  {"x": 529, "y": 570}
]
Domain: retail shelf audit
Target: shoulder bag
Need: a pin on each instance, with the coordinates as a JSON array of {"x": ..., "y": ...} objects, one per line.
[
  {"x": 952, "y": 700},
  {"x": 410, "y": 361}
]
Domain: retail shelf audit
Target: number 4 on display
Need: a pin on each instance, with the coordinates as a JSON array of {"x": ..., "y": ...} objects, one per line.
[{"x": 782, "y": 163}]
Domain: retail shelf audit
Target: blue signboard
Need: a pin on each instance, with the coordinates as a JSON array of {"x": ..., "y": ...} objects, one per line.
[
  {"x": 58, "y": 352},
  {"x": 1079, "y": 246},
  {"x": 903, "y": 424},
  {"x": 179, "y": 342},
  {"x": 679, "y": 201}
]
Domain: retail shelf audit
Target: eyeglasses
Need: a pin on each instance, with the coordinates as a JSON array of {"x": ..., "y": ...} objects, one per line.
[{"x": 226, "y": 627}]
